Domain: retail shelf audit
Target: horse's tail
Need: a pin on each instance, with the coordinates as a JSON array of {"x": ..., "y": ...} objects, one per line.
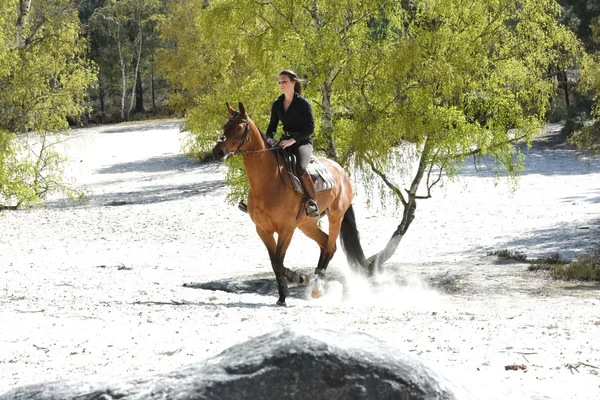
[{"x": 350, "y": 241}]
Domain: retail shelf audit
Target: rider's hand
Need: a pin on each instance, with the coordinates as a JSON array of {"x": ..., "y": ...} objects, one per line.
[
  {"x": 287, "y": 143},
  {"x": 271, "y": 142}
]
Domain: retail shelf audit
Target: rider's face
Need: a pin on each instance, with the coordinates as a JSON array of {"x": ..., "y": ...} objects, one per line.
[{"x": 285, "y": 84}]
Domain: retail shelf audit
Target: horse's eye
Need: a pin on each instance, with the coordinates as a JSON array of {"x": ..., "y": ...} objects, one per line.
[{"x": 239, "y": 128}]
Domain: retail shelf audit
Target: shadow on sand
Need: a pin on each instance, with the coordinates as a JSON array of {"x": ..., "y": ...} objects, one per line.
[
  {"x": 171, "y": 162},
  {"x": 578, "y": 239},
  {"x": 156, "y": 194},
  {"x": 549, "y": 155},
  {"x": 148, "y": 195},
  {"x": 142, "y": 126},
  {"x": 589, "y": 287},
  {"x": 262, "y": 286},
  {"x": 164, "y": 168},
  {"x": 203, "y": 304}
]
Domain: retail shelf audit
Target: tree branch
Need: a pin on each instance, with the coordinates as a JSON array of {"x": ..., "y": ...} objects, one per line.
[
  {"x": 388, "y": 183},
  {"x": 496, "y": 145},
  {"x": 285, "y": 17},
  {"x": 439, "y": 177}
]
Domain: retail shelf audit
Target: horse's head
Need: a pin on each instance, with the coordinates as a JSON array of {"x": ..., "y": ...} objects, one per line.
[{"x": 236, "y": 132}]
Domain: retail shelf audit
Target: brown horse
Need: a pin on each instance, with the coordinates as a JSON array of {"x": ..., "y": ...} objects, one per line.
[{"x": 275, "y": 208}]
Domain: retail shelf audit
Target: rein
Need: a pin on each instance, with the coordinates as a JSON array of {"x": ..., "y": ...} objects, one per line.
[
  {"x": 244, "y": 139},
  {"x": 258, "y": 151},
  {"x": 284, "y": 164}
]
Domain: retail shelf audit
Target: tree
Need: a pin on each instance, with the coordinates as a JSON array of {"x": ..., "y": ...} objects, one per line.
[
  {"x": 123, "y": 41},
  {"x": 588, "y": 137},
  {"x": 43, "y": 76},
  {"x": 476, "y": 85},
  {"x": 234, "y": 50},
  {"x": 579, "y": 16},
  {"x": 447, "y": 80}
]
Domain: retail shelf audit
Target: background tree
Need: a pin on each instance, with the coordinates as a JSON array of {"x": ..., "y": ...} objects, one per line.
[
  {"x": 123, "y": 41},
  {"x": 43, "y": 76},
  {"x": 445, "y": 80},
  {"x": 588, "y": 136},
  {"x": 578, "y": 16},
  {"x": 475, "y": 85}
]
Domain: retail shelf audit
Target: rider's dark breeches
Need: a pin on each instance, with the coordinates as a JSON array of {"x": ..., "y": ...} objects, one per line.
[{"x": 303, "y": 154}]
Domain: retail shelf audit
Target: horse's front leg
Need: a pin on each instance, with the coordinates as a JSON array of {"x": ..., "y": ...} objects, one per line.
[
  {"x": 277, "y": 252},
  {"x": 293, "y": 276}
]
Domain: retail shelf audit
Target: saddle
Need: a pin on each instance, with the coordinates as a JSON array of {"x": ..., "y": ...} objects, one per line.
[{"x": 319, "y": 173}]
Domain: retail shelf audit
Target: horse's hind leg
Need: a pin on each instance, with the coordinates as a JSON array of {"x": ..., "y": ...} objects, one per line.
[
  {"x": 277, "y": 252},
  {"x": 327, "y": 252},
  {"x": 311, "y": 230}
]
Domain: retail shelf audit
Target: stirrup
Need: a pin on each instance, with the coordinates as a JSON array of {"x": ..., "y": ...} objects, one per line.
[
  {"x": 312, "y": 210},
  {"x": 243, "y": 207}
]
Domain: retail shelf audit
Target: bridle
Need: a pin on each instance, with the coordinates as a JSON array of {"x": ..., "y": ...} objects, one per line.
[{"x": 245, "y": 137}]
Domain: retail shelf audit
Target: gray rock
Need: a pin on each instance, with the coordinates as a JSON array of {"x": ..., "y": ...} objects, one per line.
[{"x": 293, "y": 363}]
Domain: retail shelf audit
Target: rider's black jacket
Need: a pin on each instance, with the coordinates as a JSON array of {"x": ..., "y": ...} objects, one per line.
[{"x": 298, "y": 122}]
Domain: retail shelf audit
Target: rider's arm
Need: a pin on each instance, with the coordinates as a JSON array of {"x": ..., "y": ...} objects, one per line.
[
  {"x": 272, "y": 129},
  {"x": 308, "y": 121}
]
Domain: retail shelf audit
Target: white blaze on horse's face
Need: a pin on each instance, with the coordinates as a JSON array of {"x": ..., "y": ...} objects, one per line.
[{"x": 220, "y": 151}]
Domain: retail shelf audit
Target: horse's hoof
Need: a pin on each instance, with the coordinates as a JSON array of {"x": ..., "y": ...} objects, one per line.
[
  {"x": 304, "y": 279},
  {"x": 281, "y": 303},
  {"x": 318, "y": 289}
]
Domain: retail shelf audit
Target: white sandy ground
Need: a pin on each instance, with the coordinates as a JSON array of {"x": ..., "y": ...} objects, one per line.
[{"x": 98, "y": 290}]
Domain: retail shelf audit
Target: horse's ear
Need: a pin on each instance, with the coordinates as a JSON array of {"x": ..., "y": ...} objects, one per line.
[
  {"x": 242, "y": 109},
  {"x": 230, "y": 109}
]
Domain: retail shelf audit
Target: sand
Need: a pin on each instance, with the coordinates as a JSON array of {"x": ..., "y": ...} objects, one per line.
[{"x": 97, "y": 290}]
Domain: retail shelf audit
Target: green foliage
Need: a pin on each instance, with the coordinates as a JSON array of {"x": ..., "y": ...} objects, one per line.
[
  {"x": 237, "y": 181},
  {"x": 209, "y": 60},
  {"x": 43, "y": 83},
  {"x": 123, "y": 40},
  {"x": 454, "y": 81},
  {"x": 585, "y": 268},
  {"x": 233, "y": 50},
  {"x": 475, "y": 80},
  {"x": 579, "y": 15},
  {"x": 508, "y": 254},
  {"x": 588, "y": 137}
]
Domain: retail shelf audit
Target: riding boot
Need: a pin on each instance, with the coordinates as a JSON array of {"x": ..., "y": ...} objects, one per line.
[{"x": 312, "y": 210}]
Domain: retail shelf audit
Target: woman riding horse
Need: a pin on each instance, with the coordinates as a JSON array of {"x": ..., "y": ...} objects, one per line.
[
  {"x": 296, "y": 115},
  {"x": 274, "y": 206}
]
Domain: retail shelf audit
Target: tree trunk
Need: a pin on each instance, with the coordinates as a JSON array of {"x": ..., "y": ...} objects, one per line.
[
  {"x": 152, "y": 84},
  {"x": 410, "y": 207},
  {"x": 101, "y": 93},
  {"x": 378, "y": 259},
  {"x": 22, "y": 12},
  {"x": 123, "y": 75},
  {"x": 327, "y": 117},
  {"x": 326, "y": 87},
  {"x": 565, "y": 85},
  {"x": 137, "y": 68},
  {"x": 139, "y": 94}
]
